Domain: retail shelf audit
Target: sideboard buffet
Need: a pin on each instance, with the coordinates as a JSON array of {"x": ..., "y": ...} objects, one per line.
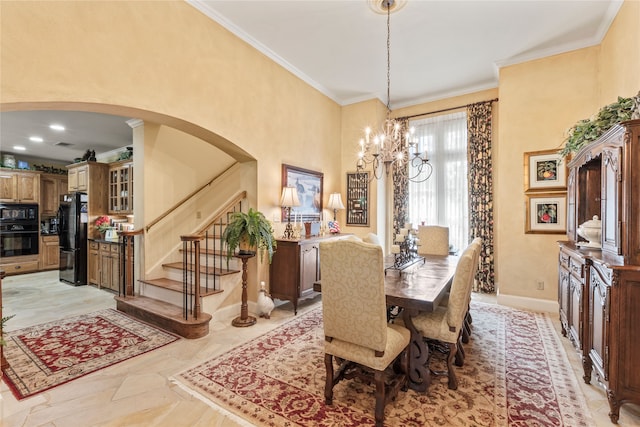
[
  {"x": 296, "y": 267},
  {"x": 599, "y": 288}
]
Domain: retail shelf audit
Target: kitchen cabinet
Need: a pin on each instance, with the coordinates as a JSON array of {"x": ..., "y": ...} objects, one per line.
[
  {"x": 104, "y": 264},
  {"x": 94, "y": 263},
  {"x": 78, "y": 177},
  {"x": 19, "y": 186},
  {"x": 49, "y": 253},
  {"x": 295, "y": 267},
  {"x": 599, "y": 288},
  {"x": 51, "y": 188},
  {"x": 20, "y": 264},
  {"x": 121, "y": 187},
  {"x": 91, "y": 178}
]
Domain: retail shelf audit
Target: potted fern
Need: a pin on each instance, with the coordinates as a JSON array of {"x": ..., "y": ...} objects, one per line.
[{"x": 249, "y": 232}]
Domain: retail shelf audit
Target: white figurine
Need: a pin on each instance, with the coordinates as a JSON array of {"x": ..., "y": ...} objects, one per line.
[{"x": 265, "y": 303}]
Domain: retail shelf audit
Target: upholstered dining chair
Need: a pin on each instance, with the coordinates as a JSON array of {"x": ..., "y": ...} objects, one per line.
[
  {"x": 355, "y": 322},
  {"x": 433, "y": 240},
  {"x": 445, "y": 323}
]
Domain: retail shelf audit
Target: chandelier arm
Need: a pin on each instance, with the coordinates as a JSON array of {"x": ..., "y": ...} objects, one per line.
[{"x": 390, "y": 147}]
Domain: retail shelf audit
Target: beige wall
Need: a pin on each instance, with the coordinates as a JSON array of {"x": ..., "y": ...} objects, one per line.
[
  {"x": 539, "y": 101},
  {"x": 167, "y": 63},
  {"x": 620, "y": 56}
]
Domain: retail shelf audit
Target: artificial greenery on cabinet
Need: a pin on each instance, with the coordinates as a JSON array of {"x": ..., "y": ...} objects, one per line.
[{"x": 587, "y": 130}]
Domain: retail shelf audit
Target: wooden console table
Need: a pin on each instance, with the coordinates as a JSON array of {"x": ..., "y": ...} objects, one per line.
[{"x": 295, "y": 267}]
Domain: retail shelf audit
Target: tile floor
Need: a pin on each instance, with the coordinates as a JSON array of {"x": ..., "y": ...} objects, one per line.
[{"x": 138, "y": 392}]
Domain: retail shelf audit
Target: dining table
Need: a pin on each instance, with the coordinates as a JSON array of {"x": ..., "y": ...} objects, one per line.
[{"x": 417, "y": 289}]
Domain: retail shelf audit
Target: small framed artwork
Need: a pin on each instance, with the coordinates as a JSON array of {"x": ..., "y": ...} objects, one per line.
[
  {"x": 546, "y": 213},
  {"x": 544, "y": 171},
  {"x": 308, "y": 184},
  {"x": 357, "y": 199}
]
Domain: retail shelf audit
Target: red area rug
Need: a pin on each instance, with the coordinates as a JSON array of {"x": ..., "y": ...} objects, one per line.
[
  {"x": 515, "y": 374},
  {"x": 44, "y": 356}
]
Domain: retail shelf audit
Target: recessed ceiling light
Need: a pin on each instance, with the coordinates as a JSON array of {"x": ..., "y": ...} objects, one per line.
[
  {"x": 56, "y": 126},
  {"x": 19, "y": 148},
  {"x": 35, "y": 139}
]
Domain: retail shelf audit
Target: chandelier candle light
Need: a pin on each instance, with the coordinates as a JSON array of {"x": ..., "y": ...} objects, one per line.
[
  {"x": 388, "y": 147},
  {"x": 288, "y": 200}
]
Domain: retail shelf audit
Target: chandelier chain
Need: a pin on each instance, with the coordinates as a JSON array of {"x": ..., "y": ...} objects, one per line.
[
  {"x": 390, "y": 148},
  {"x": 388, "y": 59}
]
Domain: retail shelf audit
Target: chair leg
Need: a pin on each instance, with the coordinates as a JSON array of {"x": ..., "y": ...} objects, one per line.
[
  {"x": 380, "y": 398},
  {"x": 465, "y": 333},
  {"x": 453, "y": 381},
  {"x": 460, "y": 355},
  {"x": 328, "y": 385}
]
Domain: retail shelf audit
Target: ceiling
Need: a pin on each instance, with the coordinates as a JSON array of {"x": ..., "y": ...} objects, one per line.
[{"x": 438, "y": 49}]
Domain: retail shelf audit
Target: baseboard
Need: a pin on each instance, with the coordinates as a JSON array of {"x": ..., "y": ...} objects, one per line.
[{"x": 527, "y": 303}]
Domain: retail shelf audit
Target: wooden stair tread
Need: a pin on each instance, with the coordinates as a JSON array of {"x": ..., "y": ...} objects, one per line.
[
  {"x": 164, "y": 315},
  {"x": 203, "y": 269},
  {"x": 176, "y": 285}
]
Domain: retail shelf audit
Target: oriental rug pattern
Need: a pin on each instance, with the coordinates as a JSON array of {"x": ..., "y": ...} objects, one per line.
[
  {"x": 515, "y": 374},
  {"x": 44, "y": 356}
]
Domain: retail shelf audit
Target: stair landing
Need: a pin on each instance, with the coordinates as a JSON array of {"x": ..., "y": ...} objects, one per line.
[{"x": 164, "y": 315}]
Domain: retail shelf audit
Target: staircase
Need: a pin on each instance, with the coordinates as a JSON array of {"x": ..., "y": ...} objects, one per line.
[{"x": 181, "y": 301}]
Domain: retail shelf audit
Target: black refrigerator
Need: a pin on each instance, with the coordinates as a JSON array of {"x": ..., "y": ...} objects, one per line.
[{"x": 72, "y": 225}]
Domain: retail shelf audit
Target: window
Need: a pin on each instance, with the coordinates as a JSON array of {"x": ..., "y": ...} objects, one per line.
[{"x": 442, "y": 199}]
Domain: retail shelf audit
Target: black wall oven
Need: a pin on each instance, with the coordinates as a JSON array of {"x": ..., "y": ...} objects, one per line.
[{"x": 18, "y": 229}]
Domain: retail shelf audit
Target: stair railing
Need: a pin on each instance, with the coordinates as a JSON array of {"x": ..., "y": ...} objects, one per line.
[
  {"x": 191, "y": 275},
  {"x": 126, "y": 240},
  {"x": 186, "y": 199},
  {"x": 192, "y": 266},
  {"x": 213, "y": 244}
]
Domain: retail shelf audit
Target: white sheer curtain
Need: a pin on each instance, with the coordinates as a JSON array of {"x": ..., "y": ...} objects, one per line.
[{"x": 443, "y": 198}]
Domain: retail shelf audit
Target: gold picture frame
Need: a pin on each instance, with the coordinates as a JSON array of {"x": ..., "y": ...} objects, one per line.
[
  {"x": 545, "y": 171},
  {"x": 546, "y": 213}
]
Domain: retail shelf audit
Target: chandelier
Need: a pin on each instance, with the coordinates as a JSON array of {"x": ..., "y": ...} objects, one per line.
[{"x": 393, "y": 145}]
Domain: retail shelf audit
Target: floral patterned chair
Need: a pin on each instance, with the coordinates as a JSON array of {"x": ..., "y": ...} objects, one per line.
[
  {"x": 355, "y": 322},
  {"x": 446, "y": 322},
  {"x": 434, "y": 240}
]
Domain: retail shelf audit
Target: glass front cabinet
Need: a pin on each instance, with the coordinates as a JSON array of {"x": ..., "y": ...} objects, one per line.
[{"x": 121, "y": 187}]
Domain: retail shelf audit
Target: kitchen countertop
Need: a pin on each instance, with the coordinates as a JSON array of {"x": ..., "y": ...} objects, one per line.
[{"x": 103, "y": 241}]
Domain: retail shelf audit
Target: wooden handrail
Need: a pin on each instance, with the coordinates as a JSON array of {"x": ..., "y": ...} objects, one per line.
[
  {"x": 185, "y": 199},
  {"x": 222, "y": 210}
]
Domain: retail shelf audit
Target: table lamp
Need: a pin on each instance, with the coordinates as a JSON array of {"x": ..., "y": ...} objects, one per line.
[
  {"x": 335, "y": 203},
  {"x": 288, "y": 200}
]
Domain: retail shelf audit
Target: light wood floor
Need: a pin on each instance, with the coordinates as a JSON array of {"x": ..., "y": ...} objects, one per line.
[{"x": 138, "y": 392}]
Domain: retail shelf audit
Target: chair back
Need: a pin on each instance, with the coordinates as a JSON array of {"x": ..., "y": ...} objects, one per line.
[
  {"x": 458, "y": 303},
  {"x": 353, "y": 298},
  {"x": 433, "y": 240}
]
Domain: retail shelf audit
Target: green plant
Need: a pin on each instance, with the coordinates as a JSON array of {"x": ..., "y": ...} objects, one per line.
[
  {"x": 2, "y": 322},
  {"x": 587, "y": 130},
  {"x": 251, "y": 227}
]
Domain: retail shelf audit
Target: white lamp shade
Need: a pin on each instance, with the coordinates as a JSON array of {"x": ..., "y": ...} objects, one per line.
[
  {"x": 289, "y": 197},
  {"x": 335, "y": 201}
]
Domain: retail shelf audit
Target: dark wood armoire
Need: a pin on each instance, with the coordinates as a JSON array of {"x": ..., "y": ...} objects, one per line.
[{"x": 599, "y": 289}]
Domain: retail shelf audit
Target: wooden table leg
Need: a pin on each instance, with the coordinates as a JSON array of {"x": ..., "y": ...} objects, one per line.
[
  {"x": 419, "y": 375},
  {"x": 244, "y": 319}
]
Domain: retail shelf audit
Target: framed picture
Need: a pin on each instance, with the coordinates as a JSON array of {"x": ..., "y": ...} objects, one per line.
[
  {"x": 544, "y": 171},
  {"x": 358, "y": 199},
  {"x": 308, "y": 183},
  {"x": 546, "y": 213}
]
